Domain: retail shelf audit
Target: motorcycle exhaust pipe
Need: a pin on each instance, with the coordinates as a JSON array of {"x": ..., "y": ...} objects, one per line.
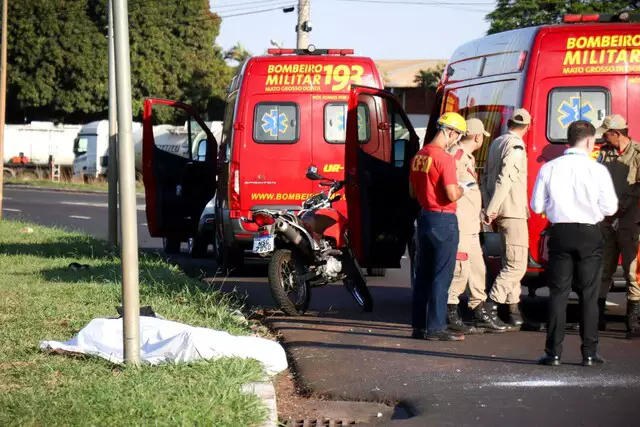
[{"x": 295, "y": 237}]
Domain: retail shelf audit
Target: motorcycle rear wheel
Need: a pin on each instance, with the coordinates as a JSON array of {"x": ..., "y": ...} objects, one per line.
[{"x": 285, "y": 270}]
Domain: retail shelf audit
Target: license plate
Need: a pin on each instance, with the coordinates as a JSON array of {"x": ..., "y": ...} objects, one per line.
[{"x": 263, "y": 244}]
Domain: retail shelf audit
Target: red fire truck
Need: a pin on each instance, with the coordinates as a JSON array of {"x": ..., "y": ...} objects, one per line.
[
  {"x": 585, "y": 68},
  {"x": 284, "y": 112}
]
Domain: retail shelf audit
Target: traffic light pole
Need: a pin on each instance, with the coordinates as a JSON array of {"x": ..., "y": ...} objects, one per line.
[
  {"x": 303, "y": 18},
  {"x": 126, "y": 169}
]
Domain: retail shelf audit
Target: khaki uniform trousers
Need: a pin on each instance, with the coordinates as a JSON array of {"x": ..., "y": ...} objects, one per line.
[
  {"x": 515, "y": 256},
  {"x": 623, "y": 241},
  {"x": 471, "y": 271}
]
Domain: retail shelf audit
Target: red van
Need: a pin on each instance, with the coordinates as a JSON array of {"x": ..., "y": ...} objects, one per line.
[
  {"x": 284, "y": 112},
  {"x": 585, "y": 68}
]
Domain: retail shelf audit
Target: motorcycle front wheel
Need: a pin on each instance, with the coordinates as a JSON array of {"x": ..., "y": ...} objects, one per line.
[{"x": 292, "y": 294}]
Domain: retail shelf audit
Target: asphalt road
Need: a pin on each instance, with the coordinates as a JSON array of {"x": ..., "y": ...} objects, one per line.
[
  {"x": 72, "y": 211},
  {"x": 487, "y": 380}
]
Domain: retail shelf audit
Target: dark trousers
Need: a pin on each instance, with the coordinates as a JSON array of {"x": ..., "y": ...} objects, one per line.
[
  {"x": 574, "y": 249},
  {"x": 437, "y": 245}
]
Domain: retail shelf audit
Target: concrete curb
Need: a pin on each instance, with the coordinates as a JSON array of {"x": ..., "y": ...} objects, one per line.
[
  {"x": 58, "y": 190},
  {"x": 267, "y": 392}
]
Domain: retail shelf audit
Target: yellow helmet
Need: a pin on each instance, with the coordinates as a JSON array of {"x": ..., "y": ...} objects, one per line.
[{"x": 453, "y": 121}]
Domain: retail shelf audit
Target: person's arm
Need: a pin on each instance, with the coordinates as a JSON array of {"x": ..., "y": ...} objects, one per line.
[
  {"x": 540, "y": 195},
  {"x": 633, "y": 195},
  {"x": 450, "y": 179},
  {"x": 412, "y": 192},
  {"x": 607, "y": 199},
  {"x": 508, "y": 173}
]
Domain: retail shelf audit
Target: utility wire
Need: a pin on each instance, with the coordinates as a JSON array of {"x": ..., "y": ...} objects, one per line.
[
  {"x": 256, "y": 11},
  {"x": 252, "y": 2},
  {"x": 253, "y": 7}
]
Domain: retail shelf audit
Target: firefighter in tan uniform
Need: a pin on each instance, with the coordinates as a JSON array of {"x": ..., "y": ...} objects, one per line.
[
  {"x": 621, "y": 156},
  {"x": 470, "y": 268},
  {"x": 504, "y": 186}
]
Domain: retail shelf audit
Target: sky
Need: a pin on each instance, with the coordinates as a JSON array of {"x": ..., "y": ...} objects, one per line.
[{"x": 380, "y": 29}]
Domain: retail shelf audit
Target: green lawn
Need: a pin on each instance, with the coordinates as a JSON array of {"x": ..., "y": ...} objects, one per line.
[{"x": 40, "y": 298}]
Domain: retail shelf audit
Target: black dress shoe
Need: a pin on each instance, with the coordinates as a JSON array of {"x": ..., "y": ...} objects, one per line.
[
  {"x": 549, "y": 360},
  {"x": 596, "y": 360},
  {"x": 418, "y": 334},
  {"x": 444, "y": 335}
]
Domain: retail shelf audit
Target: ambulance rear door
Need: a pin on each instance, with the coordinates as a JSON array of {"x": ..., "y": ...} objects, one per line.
[
  {"x": 179, "y": 168},
  {"x": 380, "y": 211}
]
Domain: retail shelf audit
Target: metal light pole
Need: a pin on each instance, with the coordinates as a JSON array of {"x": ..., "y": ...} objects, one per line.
[
  {"x": 112, "y": 164},
  {"x": 3, "y": 94},
  {"x": 301, "y": 28},
  {"x": 128, "y": 214}
]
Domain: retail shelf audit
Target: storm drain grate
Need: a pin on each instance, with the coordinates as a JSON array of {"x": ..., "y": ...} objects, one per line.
[{"x": 313, "y": 422}]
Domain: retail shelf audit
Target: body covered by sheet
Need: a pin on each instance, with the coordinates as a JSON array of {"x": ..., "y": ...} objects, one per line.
[{"x": 166, "y": 341}]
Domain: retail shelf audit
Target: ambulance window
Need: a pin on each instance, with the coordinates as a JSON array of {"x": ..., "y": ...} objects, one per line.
[
  {"x": 566, "y": 105},
  {"x": 335, "y": 126},
  {"x": 276, "y": 123}
]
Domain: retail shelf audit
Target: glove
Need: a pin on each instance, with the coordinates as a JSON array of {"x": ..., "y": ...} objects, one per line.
[{"x": 614, "y": 224}]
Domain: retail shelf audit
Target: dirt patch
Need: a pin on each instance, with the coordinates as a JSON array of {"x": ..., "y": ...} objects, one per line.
[{"x": 12, "y": 365}]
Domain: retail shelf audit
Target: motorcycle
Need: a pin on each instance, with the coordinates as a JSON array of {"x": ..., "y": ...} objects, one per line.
[{"x": 309, "y": 249}]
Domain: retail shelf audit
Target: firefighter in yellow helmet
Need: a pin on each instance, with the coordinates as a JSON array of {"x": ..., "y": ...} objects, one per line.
[{"x": 433, "y": 182}]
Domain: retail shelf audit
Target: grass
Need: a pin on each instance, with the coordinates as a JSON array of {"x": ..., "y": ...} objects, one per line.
[
  {"x": 100, "y": 185},
  {"x": 40, "y": 298}
]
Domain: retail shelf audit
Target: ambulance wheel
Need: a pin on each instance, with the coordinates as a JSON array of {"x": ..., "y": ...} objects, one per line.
[
  {"x": 292, "y": 294},
  {"x": 376, "y": 272},
  {"x": 227, "y": 259},
  {"x": 197, "y": 247},
  {"x": 171, "y": 245}
]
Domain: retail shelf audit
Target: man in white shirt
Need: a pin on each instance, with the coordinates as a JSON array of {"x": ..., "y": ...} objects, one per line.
[{"x": 576, "y": 194}]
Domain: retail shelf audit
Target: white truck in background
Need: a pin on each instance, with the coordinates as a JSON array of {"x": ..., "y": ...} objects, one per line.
[
  {"x": 91, "y": 148},
  {"x": 30, "y": 149}
]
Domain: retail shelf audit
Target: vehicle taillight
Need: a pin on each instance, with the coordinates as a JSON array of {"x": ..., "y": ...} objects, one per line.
[
  {"x": 234, "y": 188},
  {"x": 262, "y": 219}
]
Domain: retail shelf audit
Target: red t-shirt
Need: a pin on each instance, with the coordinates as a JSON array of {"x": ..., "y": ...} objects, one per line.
[{"x": 432, "y": 169}]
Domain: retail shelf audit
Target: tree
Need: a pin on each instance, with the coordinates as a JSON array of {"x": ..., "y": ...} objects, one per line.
[
  {"x": 237, "y": 53},
  {"x": 513, "y": 14},
  {"x": 429, "y": 79},
  {"x": 58, "y": 57}
]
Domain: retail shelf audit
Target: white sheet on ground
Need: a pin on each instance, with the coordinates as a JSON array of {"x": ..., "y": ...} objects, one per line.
[{"x": 166, "y": 341}]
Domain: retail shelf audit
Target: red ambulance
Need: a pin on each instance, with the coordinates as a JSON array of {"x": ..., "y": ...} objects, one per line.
[
  {"x": 284, "y": 112},
  {"x": 585, "y": 68}
]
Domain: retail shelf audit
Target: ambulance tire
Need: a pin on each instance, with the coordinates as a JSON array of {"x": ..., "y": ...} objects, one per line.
[
  {"x": 197, "y": 247},
  {"x": 170, "y": 245},
  {"x": 281, "y": 259},
  {"x": 228, "y": 260},
  {"x": 376, "y": 272}
]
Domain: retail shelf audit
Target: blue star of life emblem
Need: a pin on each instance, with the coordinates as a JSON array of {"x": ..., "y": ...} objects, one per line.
[
  {"x": 573, "y": 110},
  {"x": 342, "y": 125},
  {"x": 272, "y": 122}
]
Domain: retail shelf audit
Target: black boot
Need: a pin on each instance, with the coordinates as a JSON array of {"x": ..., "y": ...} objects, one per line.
[
  {"x": 602, "y": 321},
  {"x": 633, "y": 309},
  {"x": 515, "y": 317},
  {"x": 456, "y": 324},
  {"x": 485, "y": 316}
]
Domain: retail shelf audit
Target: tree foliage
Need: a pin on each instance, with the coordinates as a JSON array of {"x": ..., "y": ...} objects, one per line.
[
  {"x": 429, "y": 79},
  {"x": 514, "y": 14},
  {"x": 58, "y": 57}
]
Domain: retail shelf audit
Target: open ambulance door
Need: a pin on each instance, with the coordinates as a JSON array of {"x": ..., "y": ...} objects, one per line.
[
  {"x": 179, "y": 169},
  {"x": 381, "y": 213}
]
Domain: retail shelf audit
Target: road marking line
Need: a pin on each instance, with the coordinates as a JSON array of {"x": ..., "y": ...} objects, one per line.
[
  {"x": 11, "y": 210},
  {"x": 7, "y": 198},
  {"x": 96, "y": 205},
  {"x": 79, "y": 217},
  {"x": 144, "y": 224}
]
